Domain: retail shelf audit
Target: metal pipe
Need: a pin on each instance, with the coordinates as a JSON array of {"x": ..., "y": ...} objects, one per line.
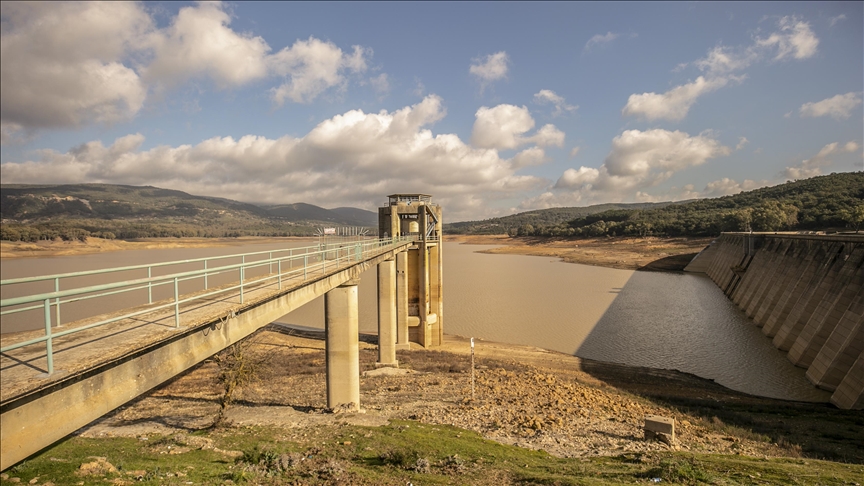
[
  {"x": 149, "y": 286},
  {"x": 205, "y": 275}
]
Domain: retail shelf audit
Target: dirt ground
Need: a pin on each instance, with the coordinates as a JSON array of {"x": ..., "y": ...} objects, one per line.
[
  {"x": 523, "y": 395},
  {"x": 632, "y": 253}
]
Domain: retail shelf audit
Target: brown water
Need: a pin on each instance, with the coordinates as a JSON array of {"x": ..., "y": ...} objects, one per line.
[{"x": 658, "y": 320}]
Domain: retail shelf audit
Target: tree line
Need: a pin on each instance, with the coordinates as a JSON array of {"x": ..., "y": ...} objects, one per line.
[{"x": 835, "y": 201}]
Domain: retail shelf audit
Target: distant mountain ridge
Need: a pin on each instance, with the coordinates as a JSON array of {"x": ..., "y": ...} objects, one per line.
[{"x": 124, "y": 211}]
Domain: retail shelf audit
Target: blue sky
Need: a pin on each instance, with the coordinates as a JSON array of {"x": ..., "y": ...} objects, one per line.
[{"x": 491, "y": 107}]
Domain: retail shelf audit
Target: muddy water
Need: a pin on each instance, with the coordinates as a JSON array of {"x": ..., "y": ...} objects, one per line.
[{"x": 657, "y": 320}]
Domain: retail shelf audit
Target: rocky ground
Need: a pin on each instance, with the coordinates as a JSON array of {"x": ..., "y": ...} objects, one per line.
[{"x": 523, "y": 396}]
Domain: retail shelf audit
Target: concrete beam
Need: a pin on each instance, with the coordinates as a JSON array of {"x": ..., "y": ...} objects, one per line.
[
  {"x": 342, "y": 351},
  {"x": 46, "y": 414}
]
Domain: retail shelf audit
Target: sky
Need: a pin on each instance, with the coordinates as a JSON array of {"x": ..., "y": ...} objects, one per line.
[{"x": 492, "y": 108}]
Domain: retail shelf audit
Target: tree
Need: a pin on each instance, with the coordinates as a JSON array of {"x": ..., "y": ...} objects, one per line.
[{"x": 855, "y": 217}]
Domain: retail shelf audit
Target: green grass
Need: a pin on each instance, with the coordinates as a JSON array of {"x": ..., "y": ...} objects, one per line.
[{"x": 399, "y": 453}]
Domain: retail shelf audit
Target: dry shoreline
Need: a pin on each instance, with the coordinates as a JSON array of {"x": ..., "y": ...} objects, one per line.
[
  {"x": 630, "y": 253},
  {"x": 649, "y": 253}
]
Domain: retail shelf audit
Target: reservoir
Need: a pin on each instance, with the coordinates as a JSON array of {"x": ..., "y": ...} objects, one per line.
[{"x": 658, "y": 320}]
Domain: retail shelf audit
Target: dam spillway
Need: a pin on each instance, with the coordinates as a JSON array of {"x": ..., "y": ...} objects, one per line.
[{"x": 806, "y": 293}]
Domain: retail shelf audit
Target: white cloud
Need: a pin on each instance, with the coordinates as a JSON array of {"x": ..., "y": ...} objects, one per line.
[
  {"x": 575, "y": 151},
  {"x": 838, "y": 107},
  {"x": 504, "y": 127},
  {"x": 599, "y": 39},
  {"x": 673, "y": 104},
  {"x": 813, "y": 166},
  {"x": 380, "y": 83},
  {"x": 419, "y": 88},
  {"x": 638, "y": 160},
  {"x": 66, "y": 65},
  {"x": 795, "y": 38},
  {"x": 348, "y": 160},
  {"x": 723, "y": 59},
  {"x": 578, "y": 178},
  {"x": 528, "y": 157},
  {"x": 742, "y": 141},
  {"x": 313, "y": 66},
  {"x": 547, "y": 96},
  {"x": 200, "y": 42},
  {"x": 728, "y": 187},
  {"x": 56, "y": 72},
  {"x": 833, "y": 20},
  {"x": 493, "y": 68}
]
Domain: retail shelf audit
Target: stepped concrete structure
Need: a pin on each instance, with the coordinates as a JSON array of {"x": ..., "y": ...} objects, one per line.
[
  {"x": 109, "y": 358},
  {"x": 419, "y": 271},
  {"x": 806, "y": 292}
]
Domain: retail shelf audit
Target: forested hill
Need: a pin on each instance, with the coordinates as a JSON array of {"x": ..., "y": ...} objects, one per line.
[
  {"x": 538, "y": 218},
  {"x": 33, "y": 212},
  {"x": 833, "y": 202}
]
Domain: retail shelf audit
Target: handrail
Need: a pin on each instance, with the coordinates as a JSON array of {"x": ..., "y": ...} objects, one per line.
[{"x": 314, "y": 262}]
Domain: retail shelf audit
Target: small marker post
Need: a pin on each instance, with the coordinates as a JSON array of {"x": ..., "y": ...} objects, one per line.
[{"x": 472, "y": 368}]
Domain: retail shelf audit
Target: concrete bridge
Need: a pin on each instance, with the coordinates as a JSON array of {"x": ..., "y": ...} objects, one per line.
[
  {"x": 62, "y": 377},
  {"x": 806, "y": 292}
]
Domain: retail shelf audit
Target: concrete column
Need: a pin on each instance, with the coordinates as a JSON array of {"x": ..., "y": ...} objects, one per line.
[
  {"x": 343, "y": 357},
  {"x": 434, "y": 294},
  {"x": 402, "y": 301},
  {"x": 387, "y": 313},
  {"x": 424, "y": 335}
]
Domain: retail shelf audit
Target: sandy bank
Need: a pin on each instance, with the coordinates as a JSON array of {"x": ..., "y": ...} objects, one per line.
[{"x": 632, "y": 253}]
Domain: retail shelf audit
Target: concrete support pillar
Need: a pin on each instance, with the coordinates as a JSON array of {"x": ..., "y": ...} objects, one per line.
[
  {"x": 402, "y": 301},
  {"x": 343, "y": 358},
  {"x": 387, "y": 313},
  {"x": 424, "y": 336},
  {"x": 434, "y": 294}
]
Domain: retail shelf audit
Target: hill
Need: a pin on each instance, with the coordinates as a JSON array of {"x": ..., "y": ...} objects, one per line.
[
  {"x": 309, "y": 212},
  {"x": 832, "y": 202},
  {"x": 33, "y": 212},
  {"x": 537, "y": 218}
]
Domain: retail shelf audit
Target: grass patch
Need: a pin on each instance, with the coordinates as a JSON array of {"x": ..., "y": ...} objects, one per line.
[{"x": 402, "y": 452}]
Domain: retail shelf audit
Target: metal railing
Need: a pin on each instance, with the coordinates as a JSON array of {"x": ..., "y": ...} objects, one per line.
[{"x": 291, "y": 265}]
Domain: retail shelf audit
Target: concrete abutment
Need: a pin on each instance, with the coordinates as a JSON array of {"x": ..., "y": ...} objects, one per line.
[{"x": 804, "y": 291}]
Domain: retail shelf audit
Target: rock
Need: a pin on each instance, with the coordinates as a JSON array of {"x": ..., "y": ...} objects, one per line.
[{"x": 99, "y": 467}]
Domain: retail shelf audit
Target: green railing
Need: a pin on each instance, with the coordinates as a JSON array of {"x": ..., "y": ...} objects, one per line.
[{"x": 291, "y": 265}]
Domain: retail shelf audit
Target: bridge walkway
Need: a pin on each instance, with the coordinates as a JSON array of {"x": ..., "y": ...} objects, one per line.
[{"x": 56, "y": 380}]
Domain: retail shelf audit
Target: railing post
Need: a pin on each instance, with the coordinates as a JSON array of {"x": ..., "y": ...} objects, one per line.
[
  {"x": 176, "y": 303},
  {"x": 57, "y": 300},
  {"x": 305, "y": 265},
  {"x": 290, "y": 260},
  {"x": 149, "y": 285},
  {"x": 205, "y": 275},
  {"x": 279, "y": 269},
  {"x": 242, "y": 275},
  {"x": 271, "y": 262},
  {"x": 49, "y": 350}
]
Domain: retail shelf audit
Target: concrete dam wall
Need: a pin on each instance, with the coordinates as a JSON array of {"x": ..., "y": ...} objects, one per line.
[{"x": 806, "y": 292}]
